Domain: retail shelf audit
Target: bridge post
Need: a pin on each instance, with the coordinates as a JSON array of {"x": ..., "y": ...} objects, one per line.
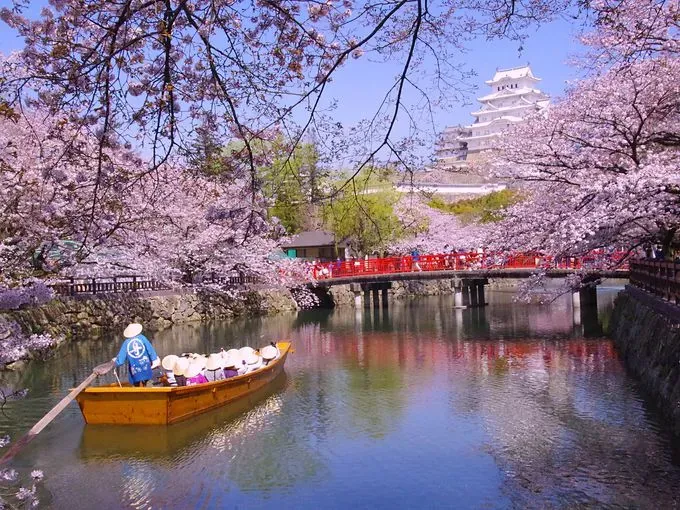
[
  {"x": 466, "y": 295},
  {"x": 376, "y": 298},
  {"x": 588, "y": 296},
  {"x": 367, "y": 297},
  {"x": 457, "y": 285},
  {"x": 576, "y": 313},
  {"x": 458, "y": 297},
  {"x": 356, "y": 288},
  {"x": 480, "y": 294},
  {"x": 472, "y": 289},
  {"x": 591, "y": 322},
  {"x": 476, "y": 289},
  {"x": 384, "y": 297}
]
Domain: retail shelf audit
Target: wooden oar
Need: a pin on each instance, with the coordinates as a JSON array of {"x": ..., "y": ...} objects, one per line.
[{"x": 102, "y": 369}]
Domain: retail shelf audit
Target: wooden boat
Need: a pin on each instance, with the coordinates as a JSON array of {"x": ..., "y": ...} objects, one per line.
[
  {"x": 129, "y": 405},
  {"x": 148, "y": 443}
]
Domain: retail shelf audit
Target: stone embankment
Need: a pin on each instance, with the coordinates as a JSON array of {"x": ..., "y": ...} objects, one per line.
[
  {"x": 71, "y": 317},
  {"x": 646, "y": 330}
]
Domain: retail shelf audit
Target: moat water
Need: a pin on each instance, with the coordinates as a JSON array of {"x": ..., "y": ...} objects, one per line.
[{"x": 418, "y": 405}]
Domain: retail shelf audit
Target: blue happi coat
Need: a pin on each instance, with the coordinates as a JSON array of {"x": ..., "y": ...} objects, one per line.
[{"x": 138, "y": 352}]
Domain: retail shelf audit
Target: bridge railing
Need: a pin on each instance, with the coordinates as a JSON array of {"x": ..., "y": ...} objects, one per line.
[
  {"x": 114, "y": 284},
  {"x": 463, "y": 262},
  {"x": 658, "y": 277}
]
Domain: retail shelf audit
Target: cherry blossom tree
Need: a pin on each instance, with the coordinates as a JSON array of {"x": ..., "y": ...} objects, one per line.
[
  {"x": 171, "y": 224},
  {"x": 600, "y": 167},
  {"x": 47, "y": 181},
  {"x": 435, "y": 231},
  {"x": 152, "y": 73}
]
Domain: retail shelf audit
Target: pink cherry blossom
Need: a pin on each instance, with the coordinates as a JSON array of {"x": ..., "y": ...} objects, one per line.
[{"x": 600, "y": 167}]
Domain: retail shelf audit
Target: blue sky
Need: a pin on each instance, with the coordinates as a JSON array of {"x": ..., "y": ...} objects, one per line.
[{"x": 360, "y": 86}]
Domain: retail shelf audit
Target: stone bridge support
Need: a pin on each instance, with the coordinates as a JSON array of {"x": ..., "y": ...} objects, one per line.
[
  {"x": 584, "y": 311},
  {"x": 469, "y": 292},
  {"x": 378, "y": 290}
]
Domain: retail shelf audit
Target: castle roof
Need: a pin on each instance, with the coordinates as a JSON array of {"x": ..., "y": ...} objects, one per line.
[
  {"x": 514, "y": 73},
  {"x": 509, "y": 93}
]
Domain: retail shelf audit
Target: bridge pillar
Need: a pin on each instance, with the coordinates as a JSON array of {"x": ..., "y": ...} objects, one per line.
[
  {"x": 591, "y": 322},
  {"x": 459, "y": 293},
  {"x": 466, "y": 295},
  {"x": 472, "y": 289},
  {"x": 584, "y": 310},
  {"x": 588, "y": 296},
  {"x": 480, "y": 295},
  {"x": 576, "y": 312},
  {"x": 384, "y": 297},
  {"x": 356, "y": 288},
  {"x": 367, "y": 298},
  {"x": 376, "y": 297},
  {"x": 458, "y": 297}
]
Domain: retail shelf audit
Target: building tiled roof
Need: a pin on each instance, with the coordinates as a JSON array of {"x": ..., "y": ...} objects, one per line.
[
  {"x": 513, "y": 73},
  {"x": 312, "y": 238},
  {"x": 504, "y": 94}
]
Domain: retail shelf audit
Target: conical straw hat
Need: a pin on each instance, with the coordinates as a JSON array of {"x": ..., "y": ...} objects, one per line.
[
  {"x": 169, "y": 361},
  {"x": 231, "y": 352},
  {"x": 181, "y": 366},
  {"x": 268, "y": 352},
  {"x": 232, "y": 360},
  {"x": 132, "y": 330},
  {"x": 214, "y": 362},
  {"x": 252, "y": 358},
  {"x": 195, "y": 368},
  {"x": 246, "y": 351}
]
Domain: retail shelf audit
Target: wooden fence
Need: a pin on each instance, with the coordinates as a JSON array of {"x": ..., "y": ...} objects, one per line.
[
  {"x": 131, "y": 283},
  {"x": 658, "y": 277},
  {"x": 114, "y": 284}
]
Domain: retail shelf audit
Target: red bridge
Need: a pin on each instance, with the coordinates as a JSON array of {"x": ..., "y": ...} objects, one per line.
[{"x": 468, "y": 265}]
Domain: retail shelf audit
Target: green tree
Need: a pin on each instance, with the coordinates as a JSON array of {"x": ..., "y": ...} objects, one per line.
[
  {"x": 292, "y": 184},
  {"x": 485, "y": 209},
  {"x": 206, "y": 153},
  {"x": 363, "y": 212}
]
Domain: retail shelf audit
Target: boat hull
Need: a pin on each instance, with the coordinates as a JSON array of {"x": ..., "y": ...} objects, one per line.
[{"x": 166, "y": 405}]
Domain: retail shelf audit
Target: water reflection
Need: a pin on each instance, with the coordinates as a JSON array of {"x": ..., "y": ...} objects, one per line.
[{"x": 509, "y": 406}]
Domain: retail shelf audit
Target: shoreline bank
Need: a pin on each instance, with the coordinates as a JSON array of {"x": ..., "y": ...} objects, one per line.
[{"x": 646, "y": 332}]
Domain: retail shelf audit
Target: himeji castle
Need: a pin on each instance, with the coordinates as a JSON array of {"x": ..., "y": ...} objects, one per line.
[{"x": 513, "y": 96}]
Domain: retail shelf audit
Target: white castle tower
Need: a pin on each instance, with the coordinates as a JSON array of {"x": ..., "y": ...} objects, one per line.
[{"x": 513, "y": 96}]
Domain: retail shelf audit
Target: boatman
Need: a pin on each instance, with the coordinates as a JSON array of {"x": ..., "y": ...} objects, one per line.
[{"x": 139, "y": 354}]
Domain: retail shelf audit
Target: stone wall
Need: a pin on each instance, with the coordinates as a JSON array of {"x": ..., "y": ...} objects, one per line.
[
  {"x": 72, "y": 317},
  {"x": 646, "y": 330}
]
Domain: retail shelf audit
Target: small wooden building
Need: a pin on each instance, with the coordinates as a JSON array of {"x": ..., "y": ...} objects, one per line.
[{"x": 315, "y": 244}]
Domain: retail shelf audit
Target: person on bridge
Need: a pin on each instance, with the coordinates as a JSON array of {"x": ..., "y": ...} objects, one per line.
[
  {"x": 415, "y": 258},
  {"x": 139, "y": 355}
]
